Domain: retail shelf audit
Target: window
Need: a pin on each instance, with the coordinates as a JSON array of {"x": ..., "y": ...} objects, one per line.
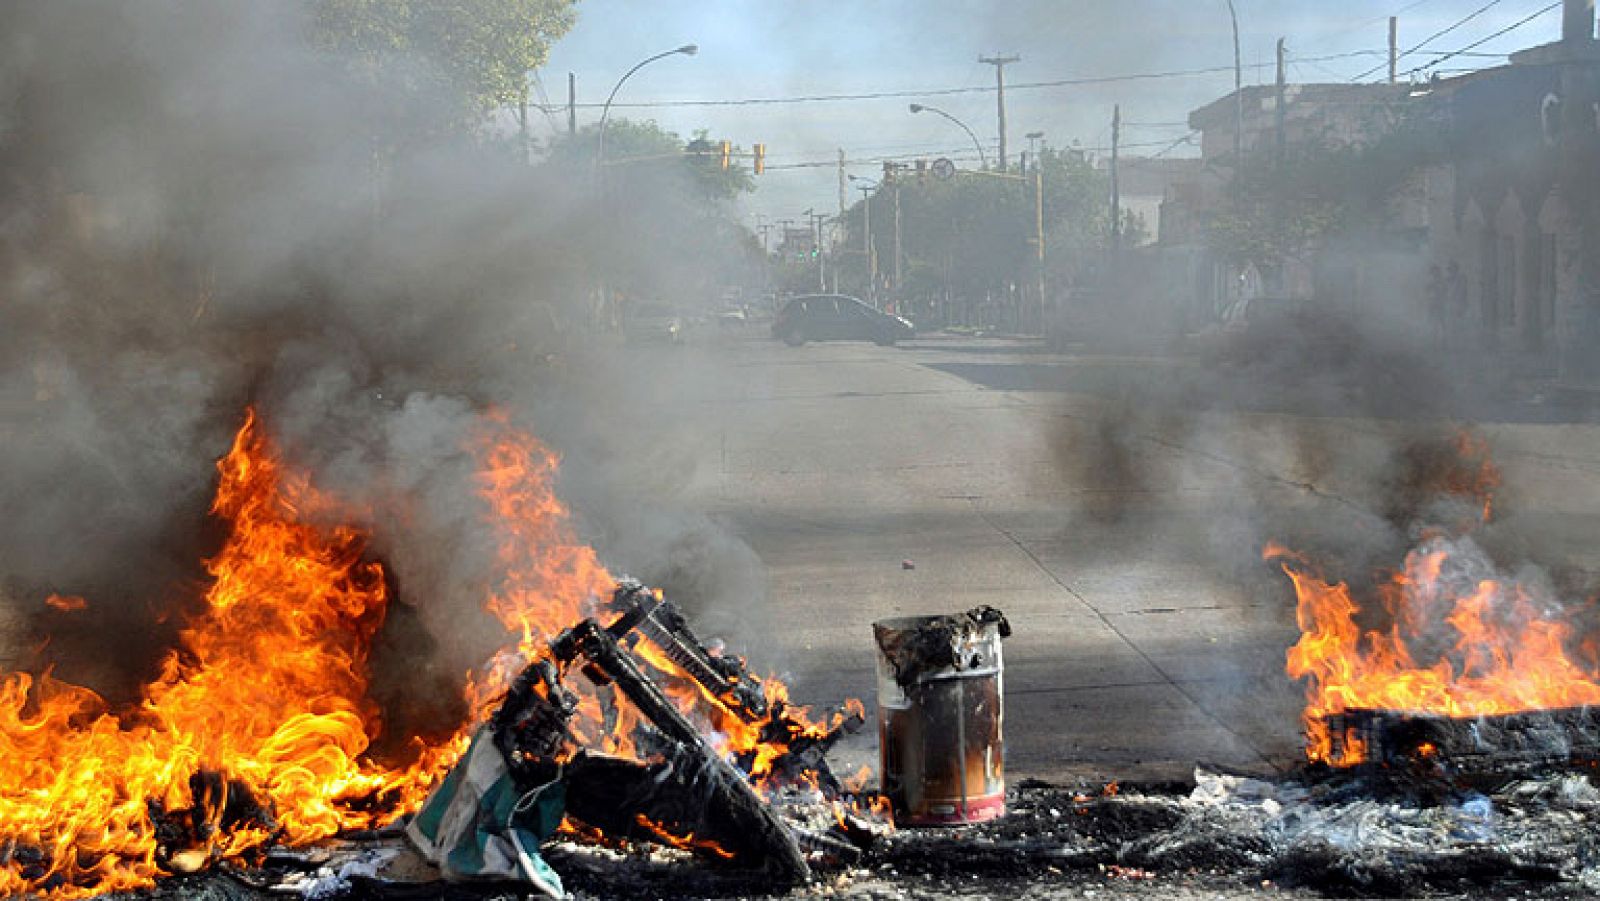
[
  {"x": 1489, "y": 282},
  {"x": 1547, "y": 280},
  {"x": 1508, "y": 280}
]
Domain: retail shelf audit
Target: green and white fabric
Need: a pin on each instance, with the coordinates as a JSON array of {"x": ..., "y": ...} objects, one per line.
[{"x": 478, "y": 825}]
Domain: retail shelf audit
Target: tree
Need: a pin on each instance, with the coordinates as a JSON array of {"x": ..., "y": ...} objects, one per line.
[
  {"x": 472, "y": 55},
  {"x": 667, "y": 228},
  {"x": 1283, "y": 210},
  {"x": 971, "y": 237}
]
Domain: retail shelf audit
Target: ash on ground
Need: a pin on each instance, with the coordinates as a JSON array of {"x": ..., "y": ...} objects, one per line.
[{"x": 1225, "y": 836}]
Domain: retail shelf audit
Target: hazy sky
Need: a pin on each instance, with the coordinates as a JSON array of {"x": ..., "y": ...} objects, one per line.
[{"x": 787, "y": 48}]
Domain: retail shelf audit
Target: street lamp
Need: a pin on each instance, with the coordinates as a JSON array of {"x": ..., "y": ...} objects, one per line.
[
  {"x": 600, "y": 150},
  {"x": 1238, "y": 92},
  {"x": 983, "y": 160}
]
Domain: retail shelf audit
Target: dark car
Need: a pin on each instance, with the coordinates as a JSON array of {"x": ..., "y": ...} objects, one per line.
[{"x": 835, "y": 317}]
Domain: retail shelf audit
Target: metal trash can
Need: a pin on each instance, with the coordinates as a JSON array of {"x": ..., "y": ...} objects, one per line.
[{"x": 940, "y": 706}]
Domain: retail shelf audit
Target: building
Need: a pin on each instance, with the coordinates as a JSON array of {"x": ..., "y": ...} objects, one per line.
[
  {"x": 1491, "y": 239},
  {"x": 1144, "y": 182}
]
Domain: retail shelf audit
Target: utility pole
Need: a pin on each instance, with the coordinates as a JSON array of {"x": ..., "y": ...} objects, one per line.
[
  {"x": 867, "y": 248},
  {"x": 1394, "y": 48},
  {"x": 1000, "y": 63},
  {"x": 1038, "y": 234},
  {"x": 1280, "y": 125},
  {"x": 844, "y": 187},
  {"x": 1116, "y": 192},
  {"x": 522, "y": 127},
  {"x": 572, "y": 104}
]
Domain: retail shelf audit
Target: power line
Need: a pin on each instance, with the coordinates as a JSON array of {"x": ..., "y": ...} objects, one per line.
[
  {"x": 1476, "y": 44},
  {"x": 1432, "y": 37},
  {"x": 1364, "y": 23},
  {"x": 944, "y": 92},
  {"x": 956, "y": 156},
  {"x": 1186, "y": 139}
]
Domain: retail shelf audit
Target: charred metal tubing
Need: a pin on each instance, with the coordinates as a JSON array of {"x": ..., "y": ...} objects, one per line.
[
  {"x": 682, "y": 647},
  {"x": 602, "y": 650}
]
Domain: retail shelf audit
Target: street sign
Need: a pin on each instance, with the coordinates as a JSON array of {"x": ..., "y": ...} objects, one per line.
[{"x": 943, "y": 168}]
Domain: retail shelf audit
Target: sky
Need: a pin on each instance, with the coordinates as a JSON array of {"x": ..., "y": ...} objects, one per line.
[{"x": 792, "y": 48}]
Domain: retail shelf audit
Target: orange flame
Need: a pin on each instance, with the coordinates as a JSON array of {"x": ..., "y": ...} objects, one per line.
[
  {"x": 682, "y": 842},
  {"x": 265, "y": 697},
  {"x": 66, "y": 603},
  {"x": 550, "y": 580},
  {"x": 1454, "y": 646},
  {"x": 267, "y": 690}
]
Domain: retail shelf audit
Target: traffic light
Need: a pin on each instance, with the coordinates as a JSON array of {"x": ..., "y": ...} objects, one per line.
[
  {"x": 727, "y": 153},
  {"x": 760, "y": 153}
]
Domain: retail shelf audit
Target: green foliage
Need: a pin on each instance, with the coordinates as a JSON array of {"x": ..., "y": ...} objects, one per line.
[
  {"x": 667, "y": 209},
  {"x": 974, "y": 233},
  {"x": 474, "y": 53},
  {"x": 1283, "y": 210},
  {"x": 644, "y": 152},
  {"x": 705, "y": 160}
]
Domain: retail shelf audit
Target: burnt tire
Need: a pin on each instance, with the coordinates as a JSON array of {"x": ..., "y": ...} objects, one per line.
[{"x": 794, "y": 338}]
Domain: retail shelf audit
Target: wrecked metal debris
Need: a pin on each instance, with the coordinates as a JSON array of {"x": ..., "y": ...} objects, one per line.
[{"x": 914, "y": 646}]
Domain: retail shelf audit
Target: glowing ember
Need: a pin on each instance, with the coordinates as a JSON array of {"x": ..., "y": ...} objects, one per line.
[
  {"x": 683, "y": 843},
  {"x": 66, "y": 603},
  {"x": 263, "y": 705}
]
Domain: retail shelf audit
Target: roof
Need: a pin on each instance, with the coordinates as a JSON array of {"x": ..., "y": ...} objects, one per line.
[{"x": 1220, "y": 112}]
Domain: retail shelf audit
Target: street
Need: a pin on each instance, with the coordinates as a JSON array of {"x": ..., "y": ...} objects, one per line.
[{"x": 1148, "y": 634}]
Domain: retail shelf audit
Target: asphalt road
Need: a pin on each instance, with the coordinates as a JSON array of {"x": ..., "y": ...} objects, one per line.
[{"x": 1116, "y": 519}]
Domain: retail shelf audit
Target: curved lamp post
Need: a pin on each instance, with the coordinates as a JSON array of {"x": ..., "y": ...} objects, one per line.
[
  {"x": 1238, "y": 91},
  {"x": 605, "y": 112},
  {"x": 983, "y": 160}
]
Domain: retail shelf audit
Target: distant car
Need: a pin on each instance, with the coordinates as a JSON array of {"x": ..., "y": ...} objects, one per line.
[
  {"x": 733, "y": 315},
  {"x": 836, "y": 317},
  {"x": 653, "y": 323}
]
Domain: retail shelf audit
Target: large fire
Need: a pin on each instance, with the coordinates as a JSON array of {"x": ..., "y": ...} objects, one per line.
[
  {"x": 255, "y": 730},
  {"x": 1445, "y": 635}
]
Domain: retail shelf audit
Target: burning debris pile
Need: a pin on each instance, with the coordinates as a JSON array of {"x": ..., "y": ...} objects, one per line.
[
  {"x": 684, "y": 793},
  {"x": 259, "y": 732},
  {"x": 1449, "y": 737},
  {"x": 1451, "y": 664}
]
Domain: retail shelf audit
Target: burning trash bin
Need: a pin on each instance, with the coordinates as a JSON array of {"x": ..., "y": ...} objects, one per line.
[{"x": 940, "y": 709}]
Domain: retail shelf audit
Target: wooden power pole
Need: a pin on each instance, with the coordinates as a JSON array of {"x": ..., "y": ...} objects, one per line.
[
  {"x": 1000, "y": 63},
  {"x": 1280, "y": 110},
  {"x": 1394, "y": 48}
]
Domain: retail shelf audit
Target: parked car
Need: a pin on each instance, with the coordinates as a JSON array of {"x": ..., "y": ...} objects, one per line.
[
  {"x": 836, "y": 317},
  {"x": 647, "y": 323}
]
